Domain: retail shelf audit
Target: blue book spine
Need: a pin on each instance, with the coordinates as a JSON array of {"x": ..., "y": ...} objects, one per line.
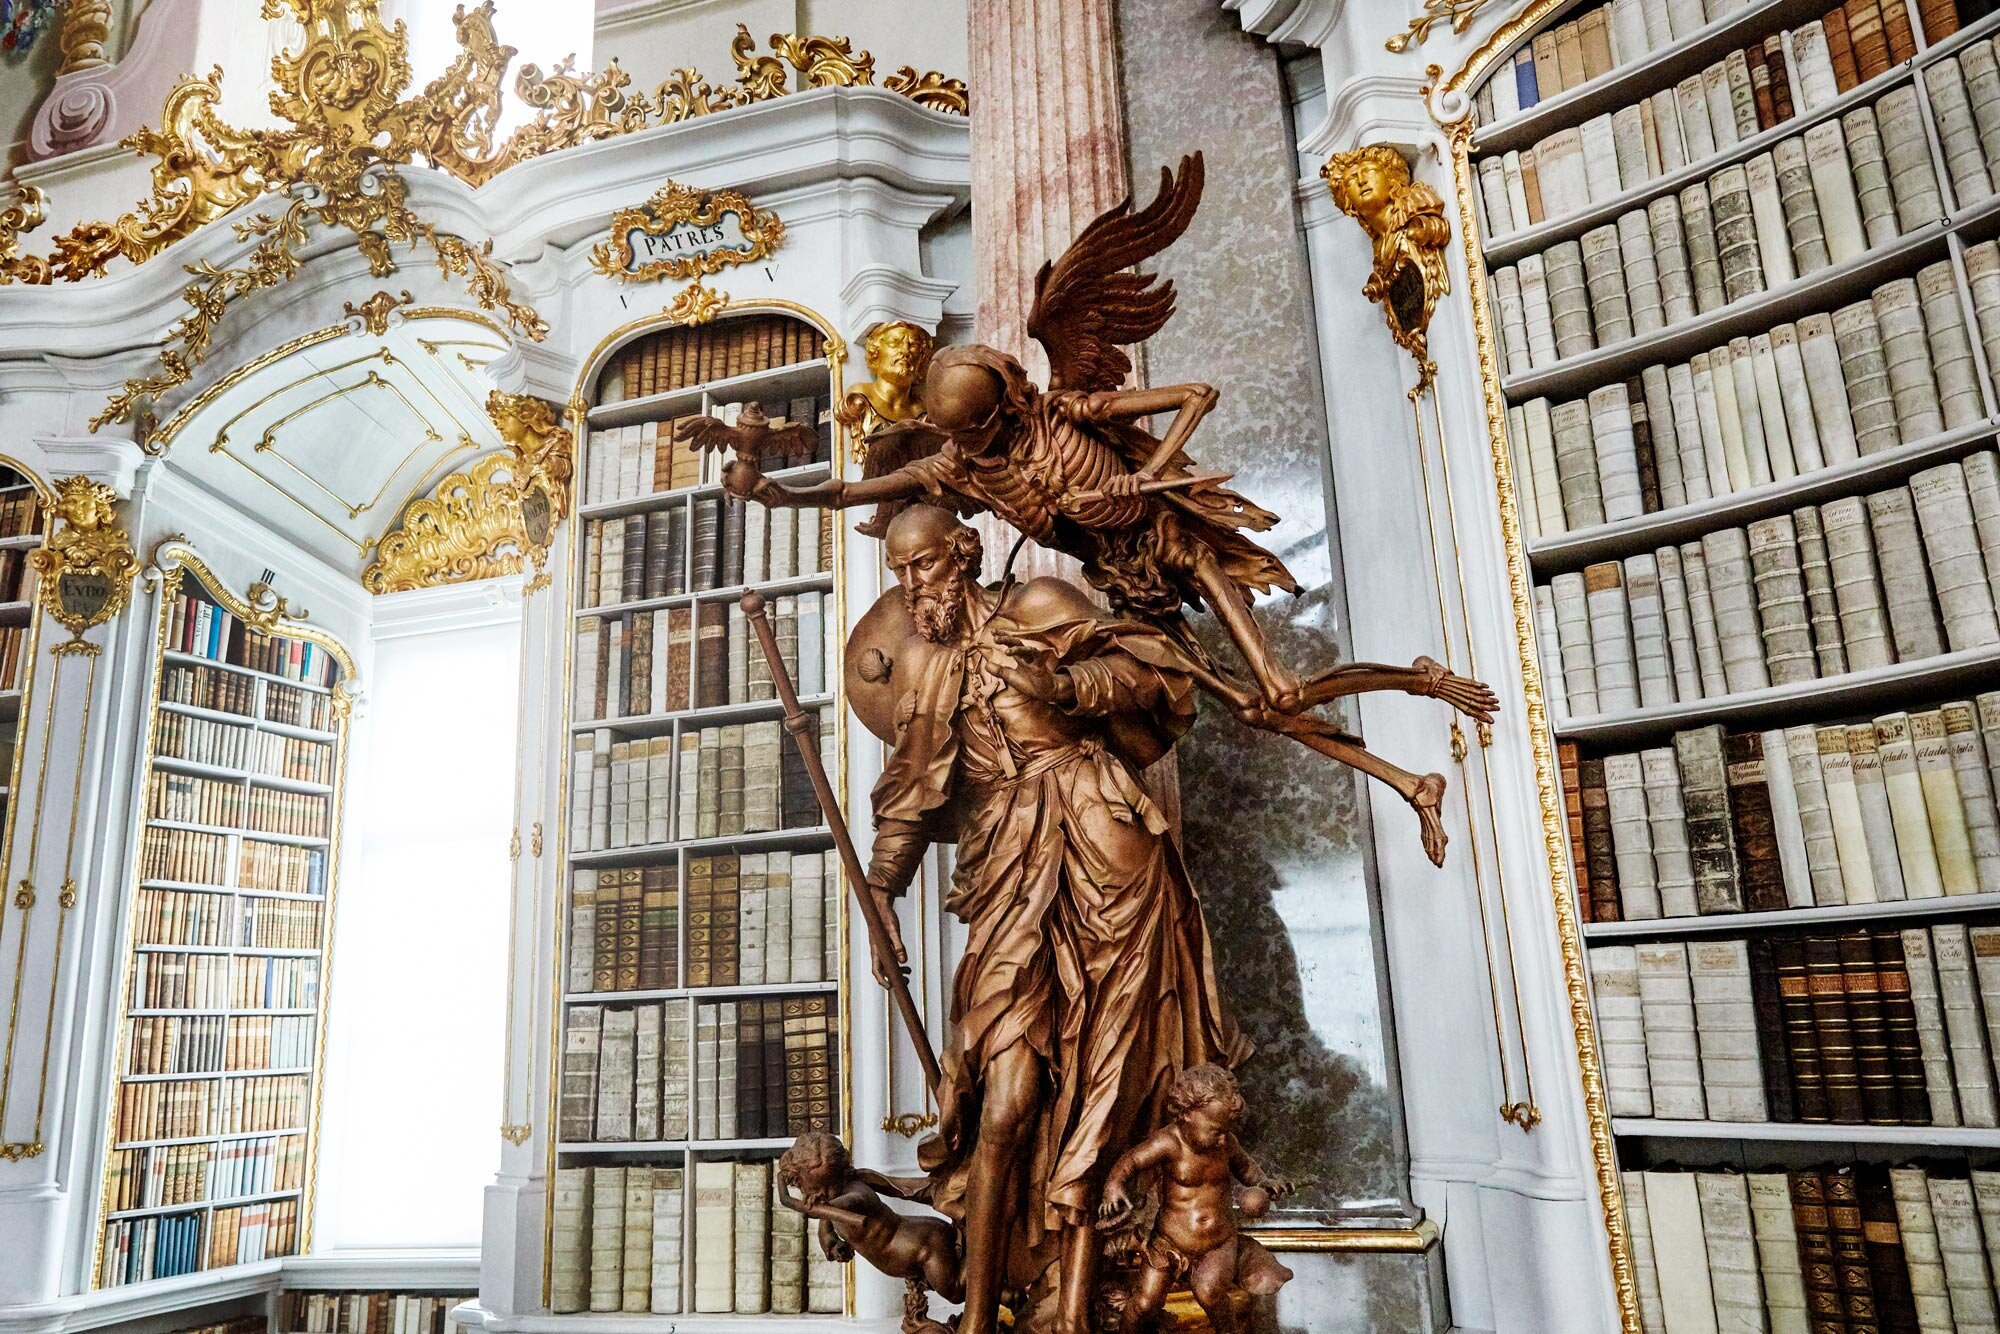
[{"x": 1524, "y": 79}]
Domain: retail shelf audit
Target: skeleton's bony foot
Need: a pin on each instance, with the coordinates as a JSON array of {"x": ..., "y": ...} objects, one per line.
[
  {"x": 1426, "y": 800},
  {"x": 1473, "y": 698}
]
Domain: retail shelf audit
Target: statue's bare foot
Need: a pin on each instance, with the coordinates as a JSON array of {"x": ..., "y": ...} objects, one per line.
[
  {"x": 1426, "y": 801},
  {"x": 1473, "y": 698}
]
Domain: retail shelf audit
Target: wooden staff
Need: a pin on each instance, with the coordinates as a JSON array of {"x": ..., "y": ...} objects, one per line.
[{"x": 799, "y": 723}]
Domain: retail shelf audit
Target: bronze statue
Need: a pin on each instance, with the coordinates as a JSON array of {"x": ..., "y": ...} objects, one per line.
[
  {"x": 1072, "y": 470},
  {"x": 1194, "y": 1235},
  {"x": 1088, "y": 1043}
]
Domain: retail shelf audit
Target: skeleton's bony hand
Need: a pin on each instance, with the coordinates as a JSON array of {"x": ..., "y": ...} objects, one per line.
[
  {"x": 1085, "y": 409},
  {"x": 1123, "y": 485}
]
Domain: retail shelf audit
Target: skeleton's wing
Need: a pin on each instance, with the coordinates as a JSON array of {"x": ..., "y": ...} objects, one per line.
[{"x": 1088, "y": 302}]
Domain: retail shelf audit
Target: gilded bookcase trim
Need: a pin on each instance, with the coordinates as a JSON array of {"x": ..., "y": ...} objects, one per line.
[
  {"x": 1454, "y": 116},
  {"x": 171, "y": 562},
  {"x": 562, "y": 612}
]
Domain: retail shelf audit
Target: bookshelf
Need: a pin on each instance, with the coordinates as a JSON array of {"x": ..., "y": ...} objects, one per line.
[
  {"x": 24, "y": 525},
  {"x": 703, "y": 995},
  {"x": 221, "y": 1012},
  {"x": 1725, "y": 365}
]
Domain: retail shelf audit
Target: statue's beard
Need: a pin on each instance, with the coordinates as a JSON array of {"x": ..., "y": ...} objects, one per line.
[{"x": 939, "y": 614}]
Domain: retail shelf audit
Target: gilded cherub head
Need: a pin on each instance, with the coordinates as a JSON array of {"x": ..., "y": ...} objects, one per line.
[
  {"x": 1368, "y": 183},
  {"x": 1407, "y": 232},
  {"x": 85, "y": 505}
]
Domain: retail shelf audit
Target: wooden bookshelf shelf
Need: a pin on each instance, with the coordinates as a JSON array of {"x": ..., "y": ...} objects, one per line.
[
  {"x": 209, "y": 1139},
  {"x": 717, "y": 993},
  {"x": 812, "y": 837},
  {"x": 152, "y": 1210},
  {"x": 214, "y": 1074},
  {"x": 659, "y": 724},
  {"x": 255, "y": 835},
  {"x": 1610, "y": 541},
  {"x": 1829, "y": 916},
  {"x": 769, "y": 1145},
  {"x": 820, "y": 582},
  {"x": 1789, "y": 1132},
  {"x": 787, "y": 381},
  {"x": 196, "y": 660},
  {"x": 249, "y": 777}
]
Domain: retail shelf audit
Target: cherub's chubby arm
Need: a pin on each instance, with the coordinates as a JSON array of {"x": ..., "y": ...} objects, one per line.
[
  {"x": 831, "y": 1245},
  {"x": 1251, "y": 1173},
  {"x": 742, "y": 480},
  {"x": 1142, "y": 1157}
]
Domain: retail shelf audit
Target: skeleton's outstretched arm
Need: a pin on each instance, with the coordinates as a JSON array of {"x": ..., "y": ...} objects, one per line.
[
  {"x": 745, "y": 482},
  {"x": 1188, "y": 402}
]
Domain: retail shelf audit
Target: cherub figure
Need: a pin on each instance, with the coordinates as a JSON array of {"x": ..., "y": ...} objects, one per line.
[
  {"x": 923, "y": 1251},
  {"x": 1195, "y": 1238},
  {"x": 1073, "y": 470},
  {"x": 1407, "y": 228}
]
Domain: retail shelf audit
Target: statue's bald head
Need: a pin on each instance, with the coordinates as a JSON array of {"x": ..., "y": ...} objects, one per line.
[{"x": 936, "y": 559}]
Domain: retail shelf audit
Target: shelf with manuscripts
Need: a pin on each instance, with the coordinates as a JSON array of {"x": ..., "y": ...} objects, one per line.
[
  {"x": 208, "y": 1141},
  {"x": 703, "y": 987},
  {"x": 24, "y": 525}
]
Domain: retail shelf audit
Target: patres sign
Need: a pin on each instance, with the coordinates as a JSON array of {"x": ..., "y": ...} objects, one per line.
[{"x": 682, "y": 232}]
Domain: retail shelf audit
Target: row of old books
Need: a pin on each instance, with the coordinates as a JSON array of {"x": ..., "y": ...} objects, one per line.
[
  {"x": 228, "y": 746},
  {"x": 368, "y": 1313},
  {"x": 1829, "y": 1250},
  {"x": 620, "y": 1242},
  {"x": 1898, "y": 576},
  {"x": 1848, "y": 185},
  {"x": 190, "y": 1108},
  {"x": 170, "y": 1174},
  {"x": 193, "y": 1044},
  {"x": 247, "y": 1233},
  {"x": 1897, "y": 368},
  {"x": 13, "y": 640},
  {"x": 743, "y": 778},
  {"x": 196, "y": 917},
  {"x": 1704, "y": 115},
  {"x": 651, "y": 458},
  {"x": 296, "y": 707},
  {"x": 755, "y": 919},
  {"x": 190, "y": 799},
  {"x": 21, "y": 510},
  {"x": 137, "y": 1250},
  {"x": 279, "y": 868},
  {"x": 196, "y": 625},
  {"x": 193, "y": 857},
  {"x": 731, "y": 543},
  {"x": 677, "y": 358},
  {"x": 678, "y": 1070},
  {"x": 1900, "y": 807},
  {"x": 639, "y": 663},
  {"x": 248, "y": 1324},
  {"x": 233, "y": 692},
  {"x": 1853, "y": 41},
  {"x": 163, "y": 980},
  {"x": 15, "y": 584},
  {"x": 1863, "y": 1027}
]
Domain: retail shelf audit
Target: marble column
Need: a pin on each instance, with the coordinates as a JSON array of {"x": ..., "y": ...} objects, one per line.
[{"x": 1048, "y": 147}]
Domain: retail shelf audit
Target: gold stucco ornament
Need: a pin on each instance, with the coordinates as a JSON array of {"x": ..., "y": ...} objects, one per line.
[
  {"x": 469, "y": 528},
  {"x": 1406, "y": 226},
  {"x": 543, "y": 453},
  {"x": 86, "y": 568}
]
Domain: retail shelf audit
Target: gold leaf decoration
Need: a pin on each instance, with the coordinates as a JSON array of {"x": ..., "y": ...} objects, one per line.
[
  {"x": 469, "y": 528},
  {"x": 85, "y": 569},
  {"x": 695, "y": 304},
  {"x": 1460, "y": 14},
  {"x": 675, "y": 205}
]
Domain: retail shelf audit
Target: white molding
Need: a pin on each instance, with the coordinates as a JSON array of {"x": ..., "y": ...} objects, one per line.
[
  {"x": 879, "y": 292},
  {"x": 104, "y": 459},
  {"x": 1307, "y": 22},
  {"x": 449, "y": 607}
]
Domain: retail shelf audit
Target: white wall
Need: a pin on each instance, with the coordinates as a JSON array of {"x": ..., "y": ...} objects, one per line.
[{"x": 418, "y": 990}]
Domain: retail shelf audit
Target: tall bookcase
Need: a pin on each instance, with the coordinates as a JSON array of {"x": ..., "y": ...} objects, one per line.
[
  {"x": 1752, "y": 487},
  {"x": 222, "y": 1007},
  {"x": 703, "y": 986},
  {"x": 24, "y": 524}
]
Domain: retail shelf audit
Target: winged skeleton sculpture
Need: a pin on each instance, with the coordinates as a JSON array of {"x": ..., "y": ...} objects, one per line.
[{"x": 1074, "y": 468}]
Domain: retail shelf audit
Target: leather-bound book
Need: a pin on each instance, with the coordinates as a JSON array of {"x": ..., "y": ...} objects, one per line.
[
  {"x": 1899, "y": 1017},
  {"x": 1826, "y": 1308},
  {"x": 1772, "y": 1049},
  {"x": 725, "y": 925},
  {"x": 1834, "y": 1029},
  {"x": 707, "y": 536},
  {"x": 711, "y": 651},
  {"x": 1850, "y": 1247},
  {"x": 631, "y": 913},
  {"x": 604, "y": 964},
  {"x": 1781, "y": 78},
  {"x": 1711, "y": 840},
  {"x": 1840, "y": 49},
  {"x": 1939, "y": 18},
  {"x": 1896, "y": 31},
  {"x": 656, "y": 940},
  {"x": 773, "y": 1057},
  {"x": 1801, "y": 1035},
  {"x": 1760, "y": 86},
  {"x": 1888, "y": 1268},
  {"x": 1762, "y": 873},
  {"x": 1871, "y": 1031},
  {"x": 700, "y": 921},
  {"x": 750, "y": 1072},
  {"x": 1572, "y": 788},
  {"x": 1865, "y": 35},
  {"x": 1599, "y": 853}
]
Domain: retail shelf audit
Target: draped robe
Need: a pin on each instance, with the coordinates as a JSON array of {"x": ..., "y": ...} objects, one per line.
[{"x": 1085, "y": 940}]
